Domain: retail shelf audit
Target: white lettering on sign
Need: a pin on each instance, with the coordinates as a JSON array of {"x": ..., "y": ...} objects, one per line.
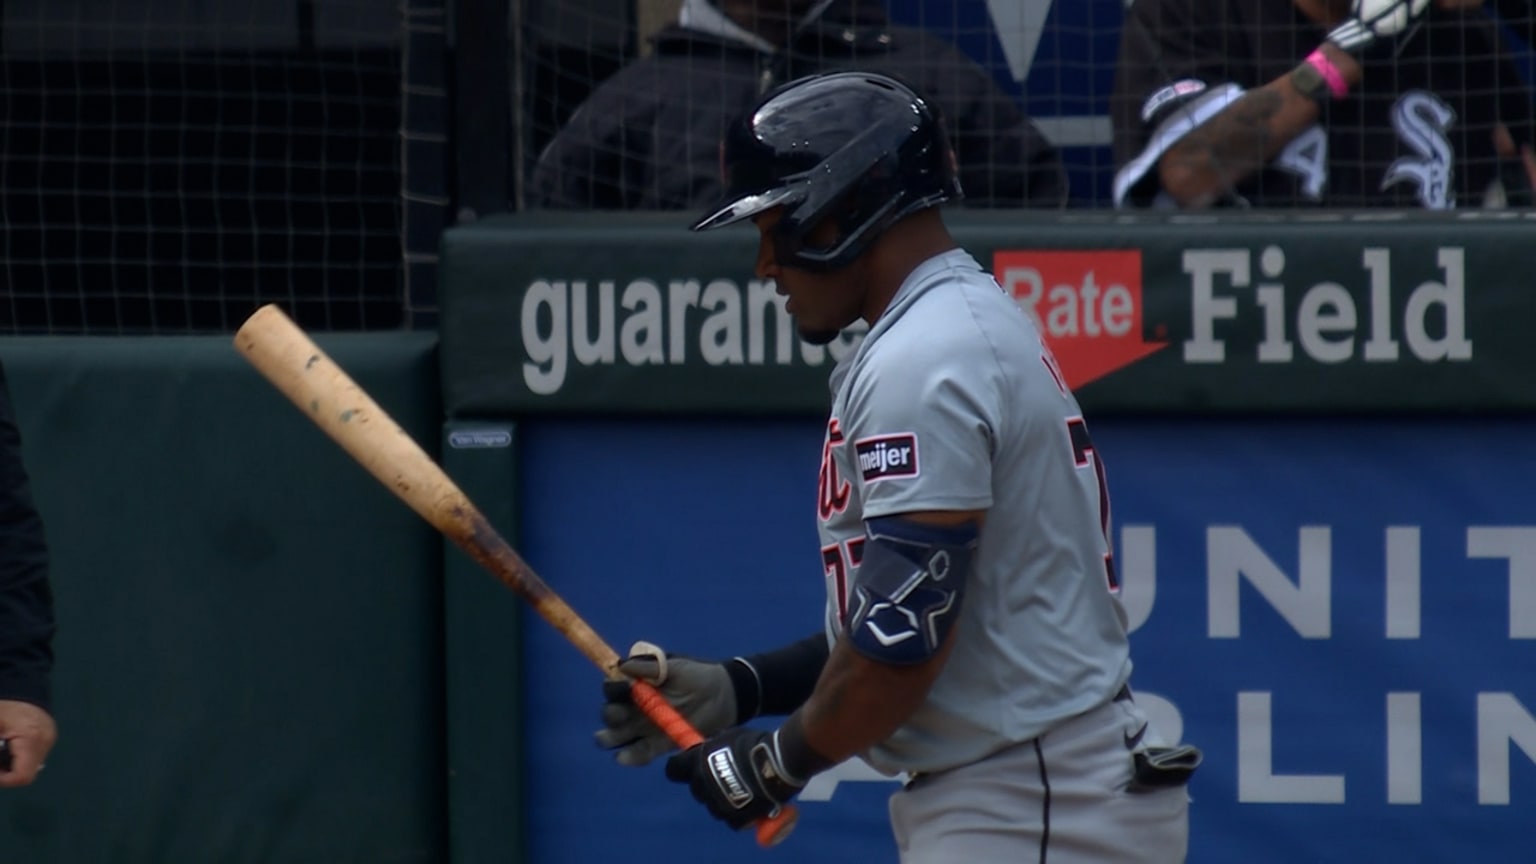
[
  {"x": 1327, "y": 322},
  {"x": 645, "y": 323},
  {"x": 1303, "y": 599}
]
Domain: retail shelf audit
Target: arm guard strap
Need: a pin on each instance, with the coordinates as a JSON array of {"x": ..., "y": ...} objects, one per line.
[{"x": 907, "y": 595}]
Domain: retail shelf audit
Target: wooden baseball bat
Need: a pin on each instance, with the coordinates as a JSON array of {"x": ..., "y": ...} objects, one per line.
[{"x": 295, "y": 365}]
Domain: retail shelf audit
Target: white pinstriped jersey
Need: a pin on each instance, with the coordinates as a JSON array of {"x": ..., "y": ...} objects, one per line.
[{"x": 952, "y": 402}]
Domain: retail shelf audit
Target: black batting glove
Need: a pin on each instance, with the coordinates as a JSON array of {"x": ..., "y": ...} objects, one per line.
[{"x": 738, "y": 775}]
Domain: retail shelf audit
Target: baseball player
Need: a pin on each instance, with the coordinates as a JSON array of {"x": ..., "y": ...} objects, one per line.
[{"x": 974, "y": 642}]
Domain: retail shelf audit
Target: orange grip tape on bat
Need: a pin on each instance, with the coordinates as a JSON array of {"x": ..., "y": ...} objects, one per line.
[{"x": 771, "y": 830}]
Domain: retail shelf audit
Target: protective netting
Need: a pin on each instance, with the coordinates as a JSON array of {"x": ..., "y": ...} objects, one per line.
[
  {"x": 169, "y": 167},
  {"x": 1056, "y": 60}
]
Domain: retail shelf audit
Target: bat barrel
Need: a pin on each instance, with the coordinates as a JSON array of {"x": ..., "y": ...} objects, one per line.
[
  {"x": 300, "y": 370},
  {"x": 296, "y": 366}
]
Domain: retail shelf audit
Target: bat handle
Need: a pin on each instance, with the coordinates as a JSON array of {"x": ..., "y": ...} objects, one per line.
[{"x": 771, "y": 830}]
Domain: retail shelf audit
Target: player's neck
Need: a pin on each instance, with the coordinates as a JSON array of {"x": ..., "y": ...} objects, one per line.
[
  {"x": 900, "y": 250},
  {"x": 1325, "y": 12}
]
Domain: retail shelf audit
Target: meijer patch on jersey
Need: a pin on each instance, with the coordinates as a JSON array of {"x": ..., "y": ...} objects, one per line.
[{"x": 887, "y": 456}]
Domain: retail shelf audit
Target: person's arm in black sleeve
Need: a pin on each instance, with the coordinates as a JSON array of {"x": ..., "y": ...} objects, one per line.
[
  {"x": 570, "y": 169},
  {"x": 601, "y": 158},
  {"x": 779, "y": 681},
  {"x": 26, "y": 614},
  {"x": 26, "y": 603}
]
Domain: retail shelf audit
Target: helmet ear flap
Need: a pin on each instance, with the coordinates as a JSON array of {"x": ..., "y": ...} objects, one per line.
[{"x": 860, "y": 211}]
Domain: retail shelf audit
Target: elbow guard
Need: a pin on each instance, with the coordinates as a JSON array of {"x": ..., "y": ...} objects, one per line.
[{"x": 907, "y": 595}]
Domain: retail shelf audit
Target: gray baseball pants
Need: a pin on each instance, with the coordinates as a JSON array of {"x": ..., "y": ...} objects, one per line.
[{"x": 1059, "y": 799}]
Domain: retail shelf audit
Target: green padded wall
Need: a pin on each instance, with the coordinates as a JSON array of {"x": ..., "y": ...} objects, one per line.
[
  {"x": 250, "y": 663},
  {"x": 1150, "y": 313},
  {"x": 483, "y": 633}
]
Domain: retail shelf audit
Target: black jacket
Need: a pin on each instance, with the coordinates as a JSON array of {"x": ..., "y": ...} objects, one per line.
[
  {"x": 26, "y": 601},
  {"x": 648, "y": 138}
]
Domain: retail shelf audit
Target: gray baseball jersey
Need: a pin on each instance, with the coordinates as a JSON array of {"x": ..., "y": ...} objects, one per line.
[{"x": 952, "y": 402}]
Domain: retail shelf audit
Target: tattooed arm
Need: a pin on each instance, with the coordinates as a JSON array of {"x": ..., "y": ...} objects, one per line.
[{"x": 1213, "y": 158}]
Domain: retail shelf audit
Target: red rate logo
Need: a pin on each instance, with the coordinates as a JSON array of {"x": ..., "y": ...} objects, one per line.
[{"x": 1087, "y": 304}]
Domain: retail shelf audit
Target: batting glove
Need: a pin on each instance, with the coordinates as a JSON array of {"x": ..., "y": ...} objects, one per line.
[
  {"x": 737, "y": 775},
  {"x": 700, "y": 690},
  {"x": 1375, "y": 19}
]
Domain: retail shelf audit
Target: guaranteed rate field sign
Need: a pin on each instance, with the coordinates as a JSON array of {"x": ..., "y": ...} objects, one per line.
[{"x": 1418, "y": 313}]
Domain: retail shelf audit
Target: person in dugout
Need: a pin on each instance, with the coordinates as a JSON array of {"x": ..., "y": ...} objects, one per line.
[{"x": 649, "y": 137}]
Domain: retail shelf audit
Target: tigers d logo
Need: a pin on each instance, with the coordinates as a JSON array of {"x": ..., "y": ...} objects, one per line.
[{"x": 1087, "y": 304}]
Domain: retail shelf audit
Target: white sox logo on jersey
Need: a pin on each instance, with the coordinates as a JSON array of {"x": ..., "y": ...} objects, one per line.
[{"x": 1421, "y": 120}]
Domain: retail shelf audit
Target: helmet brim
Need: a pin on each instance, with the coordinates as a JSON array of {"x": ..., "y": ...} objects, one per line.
[{"x": 740, "y": 207}]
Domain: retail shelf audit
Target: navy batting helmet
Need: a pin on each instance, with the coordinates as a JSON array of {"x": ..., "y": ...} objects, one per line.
[{"x": 856, "y": 147}]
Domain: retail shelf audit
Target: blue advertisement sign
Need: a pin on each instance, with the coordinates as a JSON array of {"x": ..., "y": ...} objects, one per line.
[{"x": 1339, "y": 612}]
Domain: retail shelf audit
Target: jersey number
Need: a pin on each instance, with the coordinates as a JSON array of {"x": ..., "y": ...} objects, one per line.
[
  {"x": 1084, "y": 455},
  {"x": 839, "y": 559},
  {"x": 1307, "y": 158}
]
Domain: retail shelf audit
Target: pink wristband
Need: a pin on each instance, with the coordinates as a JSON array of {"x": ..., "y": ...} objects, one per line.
[{"x": 1336, "y": 83}]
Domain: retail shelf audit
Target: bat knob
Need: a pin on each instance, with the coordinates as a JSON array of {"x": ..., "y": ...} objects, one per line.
[{"x": 773, "y": 830}]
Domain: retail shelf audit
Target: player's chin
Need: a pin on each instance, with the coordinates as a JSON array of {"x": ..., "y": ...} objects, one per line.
[{"x": 817, "y": 336}]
